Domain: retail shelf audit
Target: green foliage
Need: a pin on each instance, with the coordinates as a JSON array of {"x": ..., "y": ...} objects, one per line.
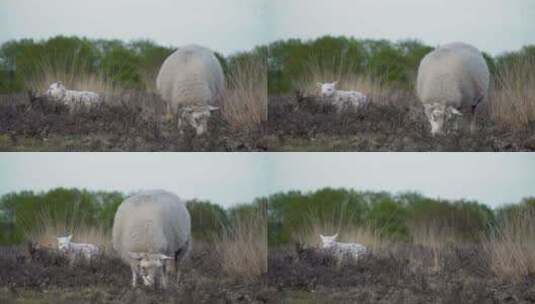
[
  {"x": 22, "y": 212},
  {"x": 389, "y": 216}
]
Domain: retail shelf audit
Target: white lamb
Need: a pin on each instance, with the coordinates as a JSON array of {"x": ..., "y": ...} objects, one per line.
[
  {"x": 73, "y": 250},
  {"x": 58, "y": 92},
  {"x": 353, "y": 250},
  {"x": 342, "y": 99},
  {"x": 192, "y": 77},
  {"x": 452, "y": 80}
]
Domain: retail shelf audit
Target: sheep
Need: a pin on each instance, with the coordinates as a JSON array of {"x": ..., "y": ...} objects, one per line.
[
  {"x": 452, "y": 80},
  {"x": 59, "y": 93},
  {"x": 150, "y": 229},
  {"x": 72, "y": 250},
  {"x": 342, "y": 99},
  {"x": 340, "y": 250},
  {"x": 192, "y": 76}
]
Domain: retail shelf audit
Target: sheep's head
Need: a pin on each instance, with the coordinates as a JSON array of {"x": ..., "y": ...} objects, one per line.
[
  {"x": 328, "y": 241},
  {"x": 149, "y": 266},
  {"x": 56, "y": 91},
  {"x": 438, "y": 114},
  {"x": 197, "y": 117},
  {"x": 327, "y": 89},
  {"x": 64, "y": 242}
]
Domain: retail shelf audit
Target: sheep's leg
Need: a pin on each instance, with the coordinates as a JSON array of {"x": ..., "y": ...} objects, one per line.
[{"x": 164, "y": 280}]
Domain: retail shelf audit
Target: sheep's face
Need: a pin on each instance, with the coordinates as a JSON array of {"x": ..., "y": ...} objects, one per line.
[
  {"x": 150, "y": 266},
  {"x": 327, "y": 89},
  {"x": 438, "y": 114},
  {"x": 56, "y": 91},
  {"x": 328, "y": 241},
  {"x": 64, "y": 242},
  {"x": 198, "y": 117}
]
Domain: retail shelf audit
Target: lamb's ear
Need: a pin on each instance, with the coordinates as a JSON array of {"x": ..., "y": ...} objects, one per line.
[
  {"x": 164, "y": 257},
  {"x": 69, "y": 237},
  {"x": 319, "y": 84},
  {"x": 335, "y": 236},
  {"x": 455, "y": 112},
  {"x": 135, "y": 255},
  {"x": 212, "y": 108}
]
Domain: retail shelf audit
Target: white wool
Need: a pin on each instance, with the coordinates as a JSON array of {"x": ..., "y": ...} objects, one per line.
[{"x": 342, "y": 100}]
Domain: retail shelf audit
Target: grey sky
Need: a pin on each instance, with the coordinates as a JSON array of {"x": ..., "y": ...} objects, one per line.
[
  {"x": 223, "y": 178},
  {"x": 229, "y": 178},
  {"x": 492, "y": 25},
  {"x": 231, "y": 25},
  {"x": 490, "y": 178},
  {"x": 223, "y": 25}
]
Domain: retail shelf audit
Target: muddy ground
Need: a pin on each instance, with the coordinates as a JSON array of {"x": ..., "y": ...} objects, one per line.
[
  {"x": 391, "y": 122},
  {"x": 132, "y": 121},
  {"x": 404, "y": 275},
  {"x": 47, "y": 278}
]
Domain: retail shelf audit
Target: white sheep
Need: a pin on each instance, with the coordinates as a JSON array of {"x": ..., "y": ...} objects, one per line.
[
  {"x": 73, "y": 250},
  {"x": 58, "y": 92},
  {"x": 452, "y": 80},
  {"x": 150, "y": 229},
  {"x": 353, "y": 250},
  {"x": 192, "y": 76},
  {"x": 342, "y": 99}
]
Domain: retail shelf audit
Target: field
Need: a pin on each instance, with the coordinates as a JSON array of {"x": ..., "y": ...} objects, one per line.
[
  {"x": 127, "y": 122},
  {"x": 395, "y": 122},
  {"x": 404, "y": 274},
  {"x": 45, "y": 277}
]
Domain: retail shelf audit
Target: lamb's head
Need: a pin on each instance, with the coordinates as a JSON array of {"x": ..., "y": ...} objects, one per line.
[
  {"x": 438, "y": 114},
  {"x": 327, "y": 89},
  {"x": 197, "y": 117},
  {"x": 64, "y": 242},
  {"x": 328, "y": 241},
  {"x": 150, "y": 266},
  {"x": 56, "y": 91}
]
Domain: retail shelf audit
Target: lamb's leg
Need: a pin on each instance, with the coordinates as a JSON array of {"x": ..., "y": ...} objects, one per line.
[
  {"x": 164, "y": 280},
  {"x": 134, "y": 276}
]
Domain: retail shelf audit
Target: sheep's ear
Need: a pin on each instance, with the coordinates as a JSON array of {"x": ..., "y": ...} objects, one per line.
[
  {"x": 319, "y": 84},
  {"x": 212, "y": 108},
  {"x": 69, "y": 237},
  {"x": 135, "y": 255},
  {"x": 322, "y": 236},
  {"x": 335, "y": 236}
]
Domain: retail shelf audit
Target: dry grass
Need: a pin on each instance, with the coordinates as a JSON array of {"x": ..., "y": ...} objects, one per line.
[
  {"x": 511, "y": 249},
  {"x": 47, "y": 227},
  {"x": 346, "y": 79},
  {"x": 437, "y": 237},
  {"x": 512, "y": 102},
  {"x": 75, "y": 76},
  {"x": 244, "y": 246},
  {"x": 245, "y": 102}
]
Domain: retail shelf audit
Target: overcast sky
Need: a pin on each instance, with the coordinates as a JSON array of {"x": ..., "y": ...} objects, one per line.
[
  {"x": 232, "y": 25},
  {"x": 230, "y": 178}
]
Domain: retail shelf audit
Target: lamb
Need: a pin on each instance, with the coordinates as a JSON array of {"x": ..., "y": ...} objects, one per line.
[
  {"x": 192, "y": 76},
  {"x": 340, "y": 250},
  {"x": 342, "y": 99},
  {"x": 72, "y": 250},
  {"x": 452, "y": 80},
  {"x": 151, "y": 229},
  {"x": 58, "y": 92}
]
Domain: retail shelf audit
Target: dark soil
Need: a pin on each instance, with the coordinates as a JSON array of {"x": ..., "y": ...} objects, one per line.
[
  {"x": 130, "y": 122},
  {"x": 403, "y": 275},
  {"x": 45, "y": 277},
  {"x": 393, "y": 122}
]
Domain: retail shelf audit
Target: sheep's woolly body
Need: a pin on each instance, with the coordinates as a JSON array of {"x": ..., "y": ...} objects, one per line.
[
  {"x": 347, "y": 249},
  {"x": 192, "y": 75},
  {"x": 151, "y": 222},
  {"x": 455, "y": 75}
]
